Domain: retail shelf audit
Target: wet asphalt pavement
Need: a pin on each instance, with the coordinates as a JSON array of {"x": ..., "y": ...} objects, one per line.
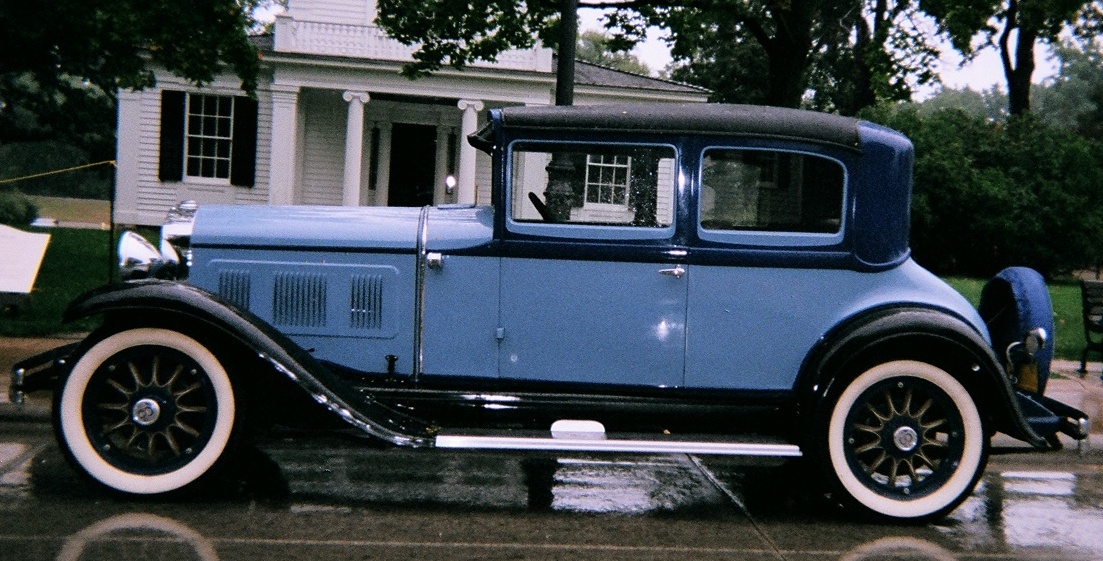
[{"x": 319, "y": 497}]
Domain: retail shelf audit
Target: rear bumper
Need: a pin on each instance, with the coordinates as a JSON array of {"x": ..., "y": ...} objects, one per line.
[{"x": 1049, "y": 417}]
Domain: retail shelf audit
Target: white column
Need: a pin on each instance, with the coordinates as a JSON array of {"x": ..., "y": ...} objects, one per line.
[
  {"x": 465, "y": 186},
  {"x": 354, "y": 147},
  {"x": 383, "y": 168},
  {"x": 281, "y": 165},
  {"x": 440, "y": 196}
]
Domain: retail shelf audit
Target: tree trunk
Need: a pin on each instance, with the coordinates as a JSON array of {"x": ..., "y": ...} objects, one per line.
[
  {"x": 788, "y": 52},
  {"x": 1018, "y": 70}
]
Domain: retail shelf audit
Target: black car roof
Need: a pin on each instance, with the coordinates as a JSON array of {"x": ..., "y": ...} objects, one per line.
[{"x": 693, "y": 118}]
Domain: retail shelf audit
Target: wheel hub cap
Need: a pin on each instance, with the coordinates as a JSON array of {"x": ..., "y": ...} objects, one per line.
[
  {"x": 905, "y": 439},
  {"x": 145, "y": 412}
]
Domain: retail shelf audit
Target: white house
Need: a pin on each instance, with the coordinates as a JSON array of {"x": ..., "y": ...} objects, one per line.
[{"x": 334, "y": 122}]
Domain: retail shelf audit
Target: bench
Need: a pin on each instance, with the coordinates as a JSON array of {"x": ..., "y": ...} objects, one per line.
[{"x": 1091, "y": 298}]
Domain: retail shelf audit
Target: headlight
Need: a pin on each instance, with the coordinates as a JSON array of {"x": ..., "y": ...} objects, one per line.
[{"x": 140, "y": 259}]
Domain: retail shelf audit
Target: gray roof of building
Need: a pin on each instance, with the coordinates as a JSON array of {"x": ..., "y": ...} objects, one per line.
[{"x": 589, "y": 74}]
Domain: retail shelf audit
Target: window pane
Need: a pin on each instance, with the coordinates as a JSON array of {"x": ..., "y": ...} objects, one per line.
[
  {"x": 599, "y": 184},
  {"x": 770, "y": 191},
  {"x": 210, "y": 130}
]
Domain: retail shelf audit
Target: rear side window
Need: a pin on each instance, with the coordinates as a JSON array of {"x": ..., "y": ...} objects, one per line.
[{"x": 770, "y": 191}]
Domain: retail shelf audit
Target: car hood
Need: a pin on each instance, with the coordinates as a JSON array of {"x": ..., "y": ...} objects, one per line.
[{"x": 354, "y": 228}]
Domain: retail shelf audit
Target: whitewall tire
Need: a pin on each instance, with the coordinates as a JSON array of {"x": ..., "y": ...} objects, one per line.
[
  {"x": 905, "y": 441},
  {"x": 146, "y": 411}
]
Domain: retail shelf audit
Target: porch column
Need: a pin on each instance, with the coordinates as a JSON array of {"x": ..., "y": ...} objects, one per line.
[
  {"x": 440, "y": 190},
  {"x": 354, "y": 147},
  {"x": 383, "y": 168},
  {"x": 465, "y": 184},
  {"x": 282, "y": 160}
]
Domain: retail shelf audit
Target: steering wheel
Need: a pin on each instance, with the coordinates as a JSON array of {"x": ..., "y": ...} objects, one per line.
[{"x": 541, "y": 207}]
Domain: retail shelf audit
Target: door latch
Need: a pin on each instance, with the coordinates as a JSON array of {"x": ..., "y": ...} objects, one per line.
[{"x": 677, "y": 272}]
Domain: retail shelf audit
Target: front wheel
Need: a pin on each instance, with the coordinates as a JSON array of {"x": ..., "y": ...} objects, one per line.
[
  {"x": 905, "y": 441},
  {"x": 146, "y": 411}
]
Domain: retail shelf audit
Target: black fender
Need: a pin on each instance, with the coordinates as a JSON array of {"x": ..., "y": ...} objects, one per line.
[
  {"x": 132, "y": 301},
  {"x": 917, "y": 333}
]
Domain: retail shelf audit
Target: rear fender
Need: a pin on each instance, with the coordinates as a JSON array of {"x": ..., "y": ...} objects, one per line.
[
  {"x": 143, "y": 301},
  {"x": 914, "y": 333}
]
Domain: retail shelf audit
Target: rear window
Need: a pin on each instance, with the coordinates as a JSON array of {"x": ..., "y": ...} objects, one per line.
[{"x": 770, "y": 191}]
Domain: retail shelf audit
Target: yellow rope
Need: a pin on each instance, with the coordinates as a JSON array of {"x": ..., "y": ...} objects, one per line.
[{"x": 57, "y": 171}]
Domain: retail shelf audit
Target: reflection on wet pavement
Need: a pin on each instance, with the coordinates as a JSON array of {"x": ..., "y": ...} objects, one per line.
[{"x": 297, "y": 499}]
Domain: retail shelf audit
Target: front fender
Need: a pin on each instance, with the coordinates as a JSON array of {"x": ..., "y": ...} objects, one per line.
[
  {"x": 916, "y": 333},
  {"x": 139, "y": 301}
]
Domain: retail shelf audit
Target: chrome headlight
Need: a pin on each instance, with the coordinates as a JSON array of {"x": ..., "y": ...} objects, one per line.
[{"x": 138, "y": 258}]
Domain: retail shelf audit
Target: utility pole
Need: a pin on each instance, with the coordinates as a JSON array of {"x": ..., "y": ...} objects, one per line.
[
  {"x": 568, "y": 39},
  {"x": 559, "y": 193}
]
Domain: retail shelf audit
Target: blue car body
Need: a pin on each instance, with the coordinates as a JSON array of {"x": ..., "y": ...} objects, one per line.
[{"x": 697, "y": 278}]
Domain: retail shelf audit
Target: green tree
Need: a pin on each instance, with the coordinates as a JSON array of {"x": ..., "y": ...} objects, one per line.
[
  {"x": 846, "y": 56},
  {"x": 458, "y": 32},
  {"x": 1074, "y": 98},
  {"x": 990, "y": 194},
  {"x": 1013, "y": 27},
  {"x": 62, "y": 62}
]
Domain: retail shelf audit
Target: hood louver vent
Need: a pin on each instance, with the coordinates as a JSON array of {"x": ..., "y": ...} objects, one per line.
[
  {"x": 366, "y": 302},
  {"x": 234, "y": 286},
  {"x": 299, "y": 299}
]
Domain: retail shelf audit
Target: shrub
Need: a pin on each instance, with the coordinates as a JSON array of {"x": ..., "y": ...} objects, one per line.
[
  {"x": 16, "y": 209},
  {"x": 990, "y": 194}
]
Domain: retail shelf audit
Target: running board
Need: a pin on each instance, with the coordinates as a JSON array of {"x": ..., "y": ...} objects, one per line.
[{"x": 588, "y": 439}]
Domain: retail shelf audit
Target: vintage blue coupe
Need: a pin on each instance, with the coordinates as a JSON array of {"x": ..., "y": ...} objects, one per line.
[{"x": 701, "y": 279}]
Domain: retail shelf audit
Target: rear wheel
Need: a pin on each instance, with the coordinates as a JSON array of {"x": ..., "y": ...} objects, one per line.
[
  {"x": 905, "y": 441},
  {"x": 146, "y": 411}
]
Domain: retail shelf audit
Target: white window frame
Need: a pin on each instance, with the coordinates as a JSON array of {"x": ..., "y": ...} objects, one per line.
[
  {"x": 596, "y": 162},
  {"x": 204, "y": 137}
]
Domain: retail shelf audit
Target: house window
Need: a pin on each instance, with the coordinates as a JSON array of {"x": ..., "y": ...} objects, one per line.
[
  {"x": 208, "y": 138},
  {"x": 210, "y": 135},
  {"x": 607, "y": 178}
]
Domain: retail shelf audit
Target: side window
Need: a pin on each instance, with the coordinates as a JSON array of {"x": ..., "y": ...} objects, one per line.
[
  {"x": 770, "y": 191},
  {"x": 593, "y": 184}
]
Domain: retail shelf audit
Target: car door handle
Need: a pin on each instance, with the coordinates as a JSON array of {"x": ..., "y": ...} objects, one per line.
[{"x": 677, "y": 272}]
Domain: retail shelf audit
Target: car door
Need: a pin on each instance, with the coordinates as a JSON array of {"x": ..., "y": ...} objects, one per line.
[
  {"x": 763, "y": 289},
  {"x": 593, "y": 289}
]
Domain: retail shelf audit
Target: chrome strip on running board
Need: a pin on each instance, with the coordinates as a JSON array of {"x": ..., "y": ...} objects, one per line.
[{"x": 602, "y": 445}]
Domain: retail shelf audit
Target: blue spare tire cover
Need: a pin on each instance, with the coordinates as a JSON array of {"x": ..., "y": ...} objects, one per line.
[{"x": 1011, "y": 304}]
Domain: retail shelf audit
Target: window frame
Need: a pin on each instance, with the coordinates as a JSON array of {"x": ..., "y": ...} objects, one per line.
[
  {"x": 579, "y": 231},
  {"x": 200, "y": 138},
  {"x": 765, "y": 238}
]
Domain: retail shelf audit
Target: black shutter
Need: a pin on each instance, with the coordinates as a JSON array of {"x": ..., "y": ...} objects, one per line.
[
  {"x": 244, "y": 165},
  {"x": 172, "y": 136}
]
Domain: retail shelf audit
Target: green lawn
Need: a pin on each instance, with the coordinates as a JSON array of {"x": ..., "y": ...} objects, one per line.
[
  {"x": 79, "y": 260},
  {"x": 76, "y": 261}
]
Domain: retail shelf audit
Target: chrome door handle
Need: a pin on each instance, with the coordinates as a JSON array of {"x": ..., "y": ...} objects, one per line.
[
  {"x": 677, "y": 272},
  {"x": 434, "y": 260}
]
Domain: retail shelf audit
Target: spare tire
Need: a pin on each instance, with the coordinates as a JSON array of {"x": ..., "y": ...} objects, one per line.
[{"x": 1011, "y": 304}]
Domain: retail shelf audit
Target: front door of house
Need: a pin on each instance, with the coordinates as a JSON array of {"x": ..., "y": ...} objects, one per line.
[{"x": 413, "y": 165}]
